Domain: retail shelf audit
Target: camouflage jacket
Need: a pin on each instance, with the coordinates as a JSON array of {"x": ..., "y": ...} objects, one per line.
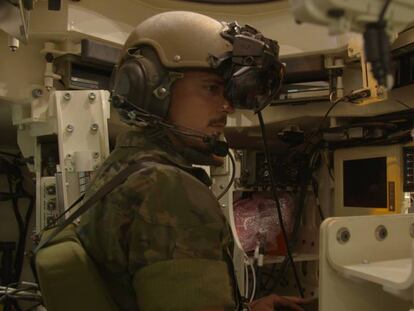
[{"x": 159, "y": 239}]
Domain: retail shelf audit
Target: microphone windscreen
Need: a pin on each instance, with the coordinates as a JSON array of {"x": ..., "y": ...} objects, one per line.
[{"x": 220, "y": 148}]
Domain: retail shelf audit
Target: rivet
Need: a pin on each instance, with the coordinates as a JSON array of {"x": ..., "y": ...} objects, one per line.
[
  {"x": 95, "y": 155},
  {"x": 70, "y": 128},
  {"x": 67, "y": 96},
  {"x": 343, "y": 235},
  {"x": 177, "y": 58}
]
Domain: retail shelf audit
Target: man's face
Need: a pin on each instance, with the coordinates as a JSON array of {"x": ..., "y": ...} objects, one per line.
[{"x": 198, "y": 103}]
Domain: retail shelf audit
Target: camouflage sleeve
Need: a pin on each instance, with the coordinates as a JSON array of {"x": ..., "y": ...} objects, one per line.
[{"x": 176, "y": 242}]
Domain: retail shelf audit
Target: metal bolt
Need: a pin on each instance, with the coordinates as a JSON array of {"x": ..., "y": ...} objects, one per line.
[
  {"x": 51, "y": 205},
  {"x": 223, "y": 205},
  {"x": 94, "y": 127},
  {"x": 96, "y": 166},
  {"x": 92, "y": 97},
  {"x": 162, "y": 91},
  {"x": 70, "y": 128},
  {"x": 67, "y": 96},
  {"x": 381, "y": 233},
  {"x": 36, "y": 93},
  {"x": 95, "y": 155},
  {"x": 51, "y": 189},
  {"x": 177, "y": 58},
  {"x": 132, "y": 115},
  {"x": 412, "y": 230},
  {"x": 68, "y": 156},
  {"x": 343, "y": 235}
]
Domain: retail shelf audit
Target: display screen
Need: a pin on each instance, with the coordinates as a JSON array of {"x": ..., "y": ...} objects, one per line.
[{"x": 365, "y": 183}]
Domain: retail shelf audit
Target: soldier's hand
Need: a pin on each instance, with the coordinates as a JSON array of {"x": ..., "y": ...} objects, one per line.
[{"x": 274, "y": 302}]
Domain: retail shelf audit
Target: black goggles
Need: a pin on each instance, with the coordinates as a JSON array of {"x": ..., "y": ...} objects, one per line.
[{"x": 252, "y": 72}]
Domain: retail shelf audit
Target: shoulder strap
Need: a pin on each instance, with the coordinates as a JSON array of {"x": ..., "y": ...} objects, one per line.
[{"x": 89, "y": 202}]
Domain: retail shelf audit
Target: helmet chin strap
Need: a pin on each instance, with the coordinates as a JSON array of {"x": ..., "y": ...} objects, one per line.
[
  {"x": 139, "y": 116},
  {"x": 213, "y": 143}
]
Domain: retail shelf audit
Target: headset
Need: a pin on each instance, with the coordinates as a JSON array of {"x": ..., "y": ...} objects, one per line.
[{"x": 252, "y": 76}]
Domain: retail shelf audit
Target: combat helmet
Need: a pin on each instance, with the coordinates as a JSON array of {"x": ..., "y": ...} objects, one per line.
[{"x": 158, "y": 51}]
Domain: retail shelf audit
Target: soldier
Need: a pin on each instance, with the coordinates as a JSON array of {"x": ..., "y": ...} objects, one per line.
[{"x": 159, "y": 239}]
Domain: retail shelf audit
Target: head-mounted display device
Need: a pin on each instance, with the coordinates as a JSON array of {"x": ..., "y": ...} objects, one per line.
[{"x": 252, "y": 72}]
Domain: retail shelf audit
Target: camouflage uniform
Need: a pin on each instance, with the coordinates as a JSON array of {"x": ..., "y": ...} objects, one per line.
[{"x": 159, "y": 239}]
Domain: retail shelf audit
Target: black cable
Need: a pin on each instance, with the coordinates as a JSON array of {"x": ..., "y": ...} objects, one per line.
[
  {"x": 233, "y": 174},
  {"x": 305, "y": 179},
  {"x": 278, "y": 207},
  {"x": 384, "y": 10},
  {"x": 8, "y": 154},
  {"x": 16, "y": 192},
  {"x": 73, "y": 205},
  {"x": 20, "y": 225},
  {"x": 315, "y": 187}
]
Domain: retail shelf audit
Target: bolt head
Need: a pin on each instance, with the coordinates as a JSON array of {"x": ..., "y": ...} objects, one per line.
[
  {"x": 343, "y": 235},
  {"x": 95, "y": 155},
  {"x": 162, "y": 91},
  {"x": 177, "y": 58},
  {"x": 36, "y": 93},
  {"x": 94, "y": 127},
  {"x": 51, "y": 205},
  {"x": 91, "y": 97},
  {"x": 70, "y": 128},
  {"x": 381, "y": 233},
  {"x": 67, "y": 96},
  {"x": 51, "y": 190}
]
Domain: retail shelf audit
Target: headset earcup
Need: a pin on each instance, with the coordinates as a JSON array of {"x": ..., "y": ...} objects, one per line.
[
  {"x": 137, "y": 79},
  {"x": 130, "y": 82}
]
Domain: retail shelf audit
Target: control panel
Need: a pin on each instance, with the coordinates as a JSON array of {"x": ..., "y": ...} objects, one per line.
[
  {"x": 48, "y": 202},
  {"x": 408, "y": 158}
]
